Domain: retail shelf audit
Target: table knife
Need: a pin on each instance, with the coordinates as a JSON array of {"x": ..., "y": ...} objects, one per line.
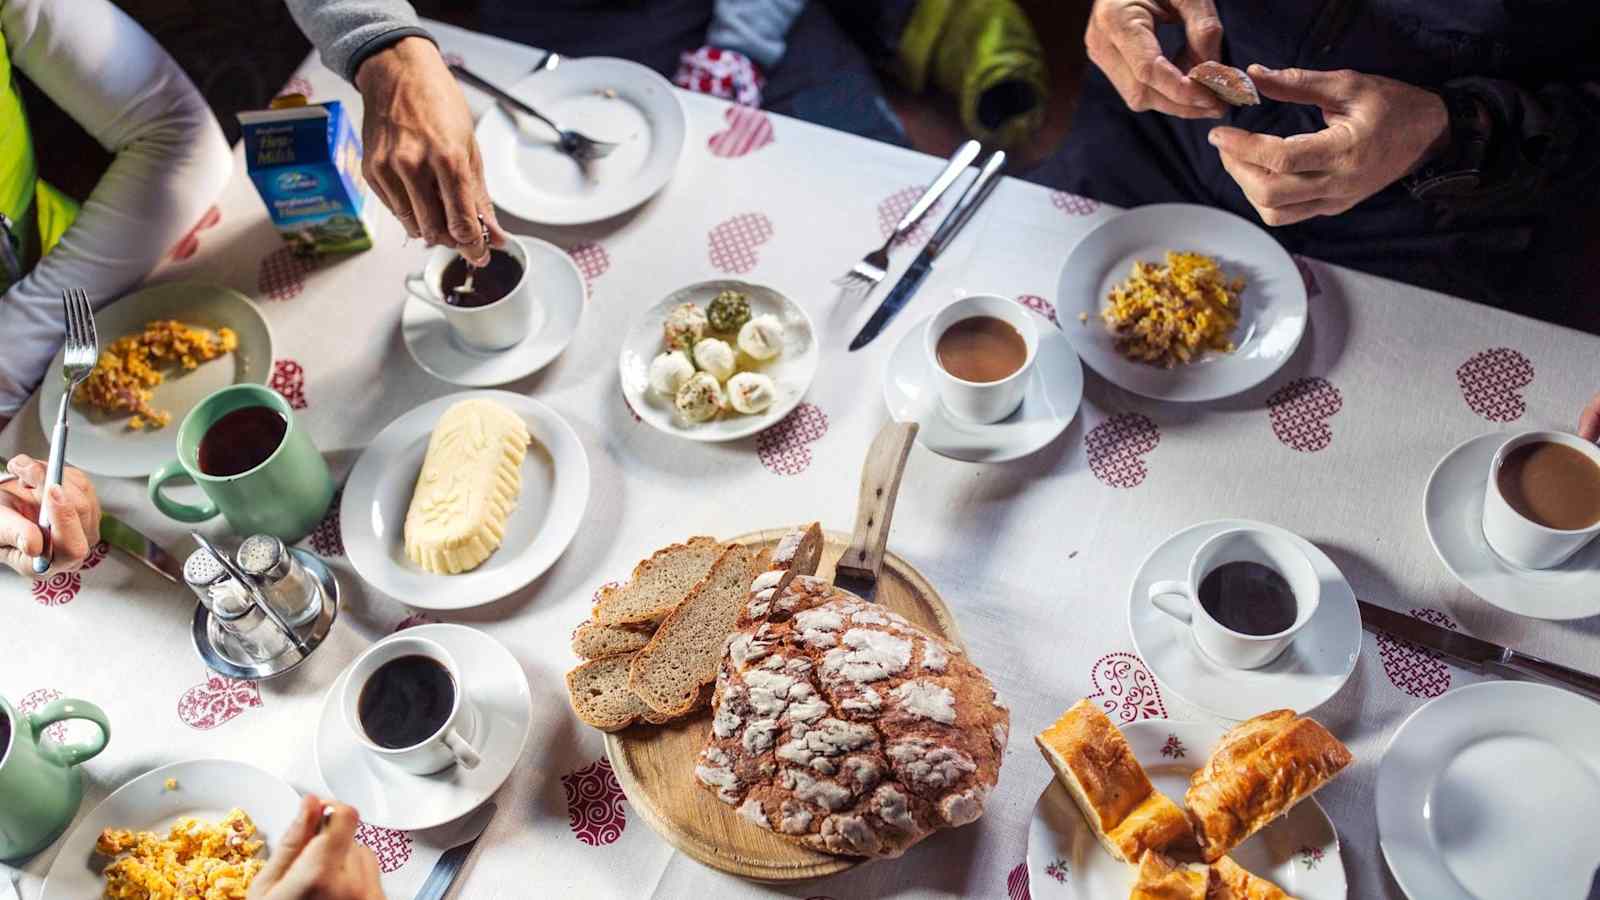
[
  {"x": 128, "y": 539},
  {"x": 972, "y": 198},
  {"x": 449, "y": 865},
  {"x": 857, "y": 570},
  {"x": 1475, "y": 654}
]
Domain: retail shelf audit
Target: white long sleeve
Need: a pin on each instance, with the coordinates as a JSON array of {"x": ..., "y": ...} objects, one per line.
[{"x": 171, "y": 163}]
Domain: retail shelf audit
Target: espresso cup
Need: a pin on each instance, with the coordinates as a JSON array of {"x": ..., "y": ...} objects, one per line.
[
  {"x": 285, "y": 496},
  {"x": 1181, "y": 599},
  {"x": 1521, "y": 541},
  {"x": 40, "y": 785},
  {"x": 500, "y": 325},
  {"x": 982, "y": 402},
  {"x": 449, "y": 745}
]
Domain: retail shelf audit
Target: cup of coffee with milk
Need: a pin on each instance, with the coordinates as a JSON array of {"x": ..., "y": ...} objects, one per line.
[
  {"x": 1542, "y": 502},
  {"x": 981, "y": 350},
  {"x": 488, "y": 308}
]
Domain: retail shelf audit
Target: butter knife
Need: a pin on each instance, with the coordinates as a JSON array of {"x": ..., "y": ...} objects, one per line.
[
  {"x": 449, "y": 865},
  {"x": 126, "y": 538}
]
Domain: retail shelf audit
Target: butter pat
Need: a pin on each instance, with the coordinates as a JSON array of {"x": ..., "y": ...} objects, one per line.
[{"x": 469, "y": 484}]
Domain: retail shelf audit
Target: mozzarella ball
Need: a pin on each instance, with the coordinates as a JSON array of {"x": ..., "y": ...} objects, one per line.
[
  {"x": 700, "y": 398},
  {"x": 751, "y": 392},
  {"x": 685, "y": 324},
  {"x": 715, "y": 358},
  {"x": 762, "y": 337},
  {"x": 669, "y": 371}
]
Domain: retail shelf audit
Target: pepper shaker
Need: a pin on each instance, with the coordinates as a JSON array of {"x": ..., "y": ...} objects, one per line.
[
  {"x": 237, "y": 628},
  {"x": 283, "y": 580}
]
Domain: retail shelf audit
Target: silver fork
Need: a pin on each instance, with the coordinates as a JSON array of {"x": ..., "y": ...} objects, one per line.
[
  {"x": 78, "y": 357},
  {"x": 575, "y": 144},
  {"x": 865, "y": 275}
]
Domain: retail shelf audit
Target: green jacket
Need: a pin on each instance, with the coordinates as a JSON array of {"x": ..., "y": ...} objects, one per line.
[{"x": 36, "y": 214}]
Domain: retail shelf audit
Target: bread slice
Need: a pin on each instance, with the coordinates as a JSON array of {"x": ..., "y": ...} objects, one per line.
[
  {"x": 658, "y": 584},
  {"x": 1229, "y": 881},
  {"x": 685, "y": 652},
  {"x": 592, "y": 640},
  {"x": 599, "y": 694},
  {"x": 1231, "y": 84},
  {"x": 1162, "y": 879},
  {"x": 1094, "y": 763}
]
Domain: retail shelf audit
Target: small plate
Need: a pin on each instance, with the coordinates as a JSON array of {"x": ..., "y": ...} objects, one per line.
[
  {"x": 394, "y": 798},
  {"x": 1055, "y": 389},
  {"x": 555, "y": 492},
  {"x": 103, "y": 444},
  {"x": 1315, "y": 666},
  {"x": 555, "y": 313},
  {"x": 1452, "y": 508},
  {"x": 792, "y": 372},
  {"x": 606, "y": 99},
  {"x": 1299, "y": 852},
  {"x": 1483, "y": 794},
  {"x": 1273, "y": 304},
  {"x": 207, "y": 788}
]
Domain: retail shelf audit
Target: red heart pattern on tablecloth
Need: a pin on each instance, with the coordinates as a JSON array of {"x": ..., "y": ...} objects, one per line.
[
  {"x": 1416, "y": 670},
  {"x": 415, "y": 619},
  {"x": 732, "y": 244},
  {"x": 784, "y": 448},
  {"x": 1041, "y": 306},
  {"x": 594, "y": 803},
  {"x": 217, "y": 700},
  {"x": 1072, "y": 204},
  {"x": 63, "y": 587},
  {"x": 297, "y": 85},
  {"x": 282, "y": 275},
  {"x": 892, "y": 207},
  {"x": 326, "y": 539},
  {"x": 1125, "y": 689},
  {"x": 189, "y": 244},
  {"x": 289, "y": 380},
  {"x": 1017, "y": 883},
  {"x": 1307, "y": 275},
  {"x": 1490, "y": 382},
  {"x": 592, "y": 260},
  {"x": 1300, "y": 411},
  {"x": 391, "y": 846},
  {"x": 33, "y": 701},
  {"x": 1117, "y": 448},
  {"x": 748, "y": 131}
]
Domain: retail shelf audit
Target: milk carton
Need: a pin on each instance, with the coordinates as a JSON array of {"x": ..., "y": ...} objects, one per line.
[{"x": 305, "y": 161}]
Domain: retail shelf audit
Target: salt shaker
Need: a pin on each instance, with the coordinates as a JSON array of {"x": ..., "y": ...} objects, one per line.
[
  {"x": 237, "y": 628},
  {"x": 286, "y": 584}
]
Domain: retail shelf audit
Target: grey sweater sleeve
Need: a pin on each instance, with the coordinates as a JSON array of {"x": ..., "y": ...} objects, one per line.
[
  {"x": 346, "y": 32},
  {"x": 756, "y": 28}
]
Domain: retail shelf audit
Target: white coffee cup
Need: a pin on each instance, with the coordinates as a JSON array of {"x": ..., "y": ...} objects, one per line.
[
  {"x": 450, "y": 744},
  {"x": 498, "y": 326},
  {"x": 1521, "y": 541},
  {"x": 991, "y": 401},
  {"x": 1180, "y": 599}
]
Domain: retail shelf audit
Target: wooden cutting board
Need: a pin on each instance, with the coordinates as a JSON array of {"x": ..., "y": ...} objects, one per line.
[{"x": 655, "y": 764}]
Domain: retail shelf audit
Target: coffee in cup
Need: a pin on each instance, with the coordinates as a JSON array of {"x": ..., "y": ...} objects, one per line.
[
  {"x": 1542, "y": 501},
  {"x": 240, "y": 440},
  {"x": 490, "y": 283},
  {"x": 404, "y": 700},
  {"x": 980, "y": 350},
  {"x": 498, "y": 313}
]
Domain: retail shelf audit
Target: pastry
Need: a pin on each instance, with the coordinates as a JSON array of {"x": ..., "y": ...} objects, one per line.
[
  {"x": 1229, "y": 881},
  {"x": 714, "y": 357},
  {"x": 468, "y": 486},
  {"x": 684, "y": 325},
  {"x": 728, "y": 311},
  {"x": 761, "y": 338},
  {"x": 682, "y": 656},
  {"x": 1162, "y": 879},
  {"x": 700, "y": 398},
  {"x": 669, "y": 371},
  {"x": 751, "y": 392},
  {"x": 658, "y": 584},
  {"x": 1231, "y": 84}
]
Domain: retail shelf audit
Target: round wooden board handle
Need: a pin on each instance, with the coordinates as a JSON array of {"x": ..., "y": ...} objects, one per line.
[{"x": 880, "y": 485}]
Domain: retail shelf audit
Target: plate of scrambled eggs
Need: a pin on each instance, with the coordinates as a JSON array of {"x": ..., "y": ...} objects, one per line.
[{"x": 1181, "y": 302}]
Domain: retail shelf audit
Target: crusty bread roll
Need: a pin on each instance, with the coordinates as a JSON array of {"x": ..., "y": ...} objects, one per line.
[{"x": 1160, "y": 878}]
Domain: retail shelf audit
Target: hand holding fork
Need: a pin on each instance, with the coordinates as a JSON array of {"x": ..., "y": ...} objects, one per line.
[{"x": 78, "y": 357}]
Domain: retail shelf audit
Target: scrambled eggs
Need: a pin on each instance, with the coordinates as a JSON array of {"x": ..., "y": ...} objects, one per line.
[
  {"x": 1173, "y": 313},
  {"x": 127, "y": 370},
  {"x": 195, "y": 860}
]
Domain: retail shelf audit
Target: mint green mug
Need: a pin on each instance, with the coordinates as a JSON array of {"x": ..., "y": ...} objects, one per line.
[
  {"x": 285, "y": 496},
  {"x": 40, "y": 785}
]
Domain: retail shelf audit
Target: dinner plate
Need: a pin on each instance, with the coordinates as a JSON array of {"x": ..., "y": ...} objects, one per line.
[
  {"x": 1452, "y": 509},
  {"x": 102, "y": 444},
  {"x": 1488, "y": 792},
  {"x": 207, "y": 788},
  {"x": 372, "y": 514},
  {"x": 1313, "y": 668},
  {"x": 1055, "y": 390},
  {"x": 605, "y": 99},
  {"x": 557, "y": 307},
  {"x": 1272, "y": 306},
  {"x": 393, "y": 798},
  {"x": 791, "y": 372},
  {"x": 1298, "y": 852}
]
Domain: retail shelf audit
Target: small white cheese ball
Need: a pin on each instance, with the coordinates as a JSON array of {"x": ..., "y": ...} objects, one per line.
[
  {"x": 685, "y": 324},
  {"x": 714, "y": 357},
  {"x": 762, "y": 337},
  {"x": 751, "y": 392},
  {"x": 700, "y": 398},
  {"x": 669, "y": 371}
]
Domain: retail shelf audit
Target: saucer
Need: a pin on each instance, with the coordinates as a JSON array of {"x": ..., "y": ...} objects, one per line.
[
  {"x": 1055, "y": 389},
  {"x": 556, "y": 309},
  {"x": 393, "y": 798},
  {"x": 1311, "y": 670},
  {"x": 1452, "y": 509}
]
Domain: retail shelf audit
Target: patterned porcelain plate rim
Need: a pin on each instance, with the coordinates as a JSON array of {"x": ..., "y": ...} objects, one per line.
[
  {"x": 792, "y": 372},
  {"x": 1274, "y": 310},
  {"x": 1482, "y": 793},
  {"x": 392, "y": 798},
  {"x": 1313, "y": 669},
  {"x": 1452, "y": 510},
  {"x": 206, "y": 787},
  {"x": 106, "y": 446},
  {"x": 555, "y": 493},
  {"x": 1299, "y": 852}
]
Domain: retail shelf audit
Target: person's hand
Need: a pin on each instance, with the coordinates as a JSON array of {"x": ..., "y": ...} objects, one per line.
[
  {"x": 1378, "y": 130},
  {"x": 306, "y": 865},
  {"x": 74, "y": 518},
  {"x": 420, "y": 154},
  {"x": 1589, "y": 422},
  {"x": 1121, "y": 40}
]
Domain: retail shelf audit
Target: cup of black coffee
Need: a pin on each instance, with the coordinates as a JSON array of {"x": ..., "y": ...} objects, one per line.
[
  {"x": 404, "y": 701},
  {"x": 489, "y": 307},
  {"x": 1249, "y": 592}
]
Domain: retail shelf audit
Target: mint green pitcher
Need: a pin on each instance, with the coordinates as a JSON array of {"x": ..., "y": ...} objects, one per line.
[{"x": 40, "y": 785}]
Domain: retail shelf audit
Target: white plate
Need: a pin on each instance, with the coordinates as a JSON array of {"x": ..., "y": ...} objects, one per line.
[
  {"x": 1055, "y": 389},
  {"x": 555, "y": 492},
  {"x": 207, "y": 788},
  {"x": 1273, "y": 304},
  {"x": 792, "y": 372},
  {"x": 555, "y": 313},
  {"x": 1315, "y": 666},
  {"x": 606, "y": 99},
  {"x": 1452, "y": 508},
  {"x": 1299, "y": 852},
  {"x": 393, "y": 798},
  {"x": 1489, "y": 793},
  {"x": 105, "y": 446}
]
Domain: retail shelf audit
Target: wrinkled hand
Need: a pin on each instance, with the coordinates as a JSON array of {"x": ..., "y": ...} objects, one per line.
[
  {"x": 74, "y": 518},
  {"x": 421, "y": 157},
  {"x": 1378, "y": 130},
  {"x": 1121, "y": 40},
  {"x": 1589, "y": 422},
  {"x": 305, "y": 865}
]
